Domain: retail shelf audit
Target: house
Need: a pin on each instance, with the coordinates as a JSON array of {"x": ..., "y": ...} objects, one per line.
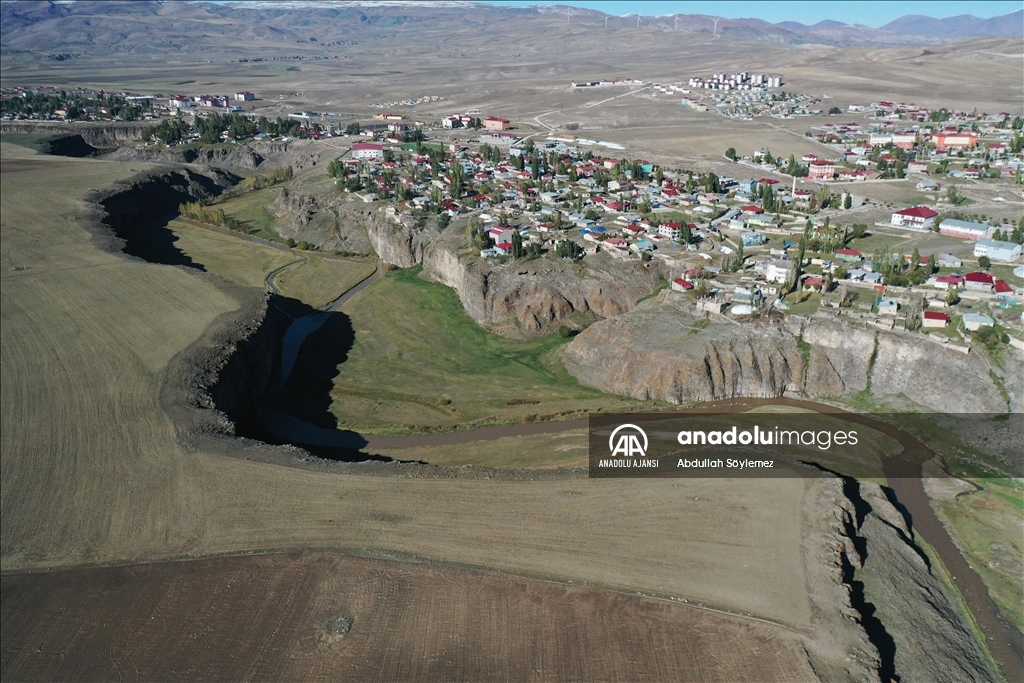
[
  {"x": 752, "y": 238},
  {"x": 749, "y": 296},
  {"x": 244, "y": 96},
  {"x": 947, "y": 281},
  {"x": 973, "y": 321},
  {"x": 888, "y": 306},
  {"x": 778, "y": 270},
  {"x": 979, "y": 281},
  {"x": 949, "y": 261},
  {"x": 934, "y": 319},
  {"x": 671, "y": 230},
  {"x": 496, "y": 123},
  {"x": 914, "y": 218},
  {"x": 367, "y": 150},
  {"x": 681, "y": 285},
  {"x": 503, "y": 249},
  {"x": 820, "y": 169},
  {"x": 919, "y": 167},
  {"x": 813, "y": 283},
  {"x": 712, "y": 305},
  {"x": 997, "y": 250},
  {"x": 850, "y": 255},
  {"x": 752, "y": 210},
  {"x": 926, "y": 185}
]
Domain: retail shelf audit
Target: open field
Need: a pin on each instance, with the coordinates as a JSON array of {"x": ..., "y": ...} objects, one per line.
[
  {"x": 251, "y": 209},
  {"x": 418, "y": 359},
  {"x": 312, "y": 279},
  {"x": 320, "y": 281},
  {"x": 318, "y": 617}
]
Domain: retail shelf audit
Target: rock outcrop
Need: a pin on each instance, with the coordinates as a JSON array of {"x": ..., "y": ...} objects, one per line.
[
  {"x": 661, "y": 351},
  {"x": 94, "y": 134},
  {"x": 241, "y": 157},
  {"x": 529, "y": 298}
]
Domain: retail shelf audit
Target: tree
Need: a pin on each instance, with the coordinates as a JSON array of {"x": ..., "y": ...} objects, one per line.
[
  {"x": 984, "y": 262},
  {"x": 953, "y": 195},
  {"x": 834, "y": 110},
  {"x": 567, "y": 249},
  {"x": 517, "y": 245},
  {"x": 738, "y": 263},
  {"x": 1017, "y": 235},
  {"x": 730, "y": 154},
  {"x": 352, "y": 129},
  {"x": 847, "y": 201}
]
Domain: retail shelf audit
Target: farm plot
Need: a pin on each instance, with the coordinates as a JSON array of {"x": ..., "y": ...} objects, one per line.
[{"x": 319, "y": 617}]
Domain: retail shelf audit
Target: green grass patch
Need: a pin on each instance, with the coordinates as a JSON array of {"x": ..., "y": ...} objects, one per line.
[
  {"x": 806, "y": 306},
  {"x": 251, "y": 210},
  {"x": 986, "y": 527},
  {"x": 420, "y": 363}
]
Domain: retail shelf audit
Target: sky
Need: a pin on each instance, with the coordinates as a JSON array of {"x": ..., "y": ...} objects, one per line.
[{"x": 872, "y": 13}]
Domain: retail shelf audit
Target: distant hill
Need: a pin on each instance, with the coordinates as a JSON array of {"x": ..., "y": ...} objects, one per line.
[
  {"x": 155, "y": 27},
  {"x": 962, "y": 26}
]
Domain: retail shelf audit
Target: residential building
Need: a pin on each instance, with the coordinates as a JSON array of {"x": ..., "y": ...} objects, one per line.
[
  {"x": 752, "y": 238},
  {"x": 973, "y": 321},
  {"x": 997, "y": 250},
  {"x": 934, "y": 319},
  {"x": 778, "y": 270},
  {"x": 949, "y": 261},
  {"x": 888, "y": 307},
  {"x": 821, "y": 169},
  {"x": 681, "y": 285},
  {"x": 671, "y": 230},
  {"x": 979, "y": 281},
  {"x": 914, "y": 218},
  {"x": 244, "y": 96},
  {"x": 849, "y": 255}
]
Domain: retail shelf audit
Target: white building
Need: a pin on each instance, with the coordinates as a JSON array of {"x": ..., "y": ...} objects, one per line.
[
  {"x": 367, "y": 150},
  {"x": 778, "y": 270},
  {"x": 997, "y": 250}
]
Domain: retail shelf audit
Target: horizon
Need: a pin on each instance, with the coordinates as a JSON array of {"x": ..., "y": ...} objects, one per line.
[{"x": 871, "y": 13}]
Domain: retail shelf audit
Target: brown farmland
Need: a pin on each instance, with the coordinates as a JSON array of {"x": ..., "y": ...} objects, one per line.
[{"x": 268, "y": 617}]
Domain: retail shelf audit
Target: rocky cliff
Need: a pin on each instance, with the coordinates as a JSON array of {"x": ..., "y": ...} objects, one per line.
[
  {"x": 241, "y": 157},
  {"x": 95, "y": 134},
  {"x": 529, "y": 298},
  {"x": 663, "y": 350}
]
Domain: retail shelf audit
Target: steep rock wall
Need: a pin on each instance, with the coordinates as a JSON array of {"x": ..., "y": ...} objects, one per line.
[
  {"x": 663, "y": 352},
  {"x": 95, "y": 134},
  {"x": 530, "y": 298}
]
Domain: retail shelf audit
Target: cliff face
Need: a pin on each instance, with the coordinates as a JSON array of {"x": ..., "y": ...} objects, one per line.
[
  {"x": 159, "y": 194},
  {"x": 243, "y": 157},
  {"x": 661, "y": 351},
  {"x": 535, "y": 297},
  {"x": 95, "y": 134}
]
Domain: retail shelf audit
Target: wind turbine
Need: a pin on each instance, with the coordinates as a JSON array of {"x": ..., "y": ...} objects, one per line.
[
  {"x": 638, "y": 21},
  {"x": 715, "y": 32},
  {"x": 676, "y": 27},
  {"x": 606, "y": 21},
  {"x": 568, "y": 13}
]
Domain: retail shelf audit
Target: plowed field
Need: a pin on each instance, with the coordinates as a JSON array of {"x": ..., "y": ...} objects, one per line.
[{"x": 271, "y": 618}]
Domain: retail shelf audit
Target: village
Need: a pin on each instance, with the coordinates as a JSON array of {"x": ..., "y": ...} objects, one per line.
[{"x": 774, "y": 237}]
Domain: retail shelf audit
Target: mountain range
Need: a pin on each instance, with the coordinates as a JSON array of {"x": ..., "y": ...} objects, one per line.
[{"x": 101, "y": 27}]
